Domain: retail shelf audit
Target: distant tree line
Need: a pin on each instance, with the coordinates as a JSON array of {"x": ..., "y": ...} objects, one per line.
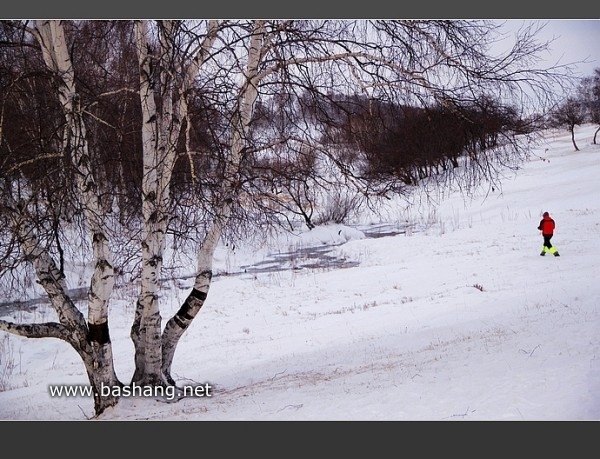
[{"x": 582, "y": 106}]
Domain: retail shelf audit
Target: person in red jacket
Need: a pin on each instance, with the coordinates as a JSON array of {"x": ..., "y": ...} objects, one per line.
[{"x": 547, "y": 226}]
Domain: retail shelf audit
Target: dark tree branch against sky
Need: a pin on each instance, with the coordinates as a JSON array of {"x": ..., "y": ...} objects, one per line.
[{"x": 575, "y": 27}]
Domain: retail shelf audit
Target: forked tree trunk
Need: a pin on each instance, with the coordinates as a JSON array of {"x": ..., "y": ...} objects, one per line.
[
  {"x": 71, "y": 327},
  {"x": 98, "y": 358},
  {"x": 163, "y": 113}
]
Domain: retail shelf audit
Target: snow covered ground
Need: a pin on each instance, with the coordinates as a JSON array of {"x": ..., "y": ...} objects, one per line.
[{"x": 459, "y": 320}]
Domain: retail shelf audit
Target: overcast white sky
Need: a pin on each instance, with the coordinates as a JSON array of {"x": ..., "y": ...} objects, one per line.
[{"x": 576, "y": 40}]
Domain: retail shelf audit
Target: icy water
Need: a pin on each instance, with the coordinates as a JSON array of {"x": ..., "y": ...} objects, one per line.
[
  {"x": 322, "y": 256},
  {"x": 311, "y": 257}
]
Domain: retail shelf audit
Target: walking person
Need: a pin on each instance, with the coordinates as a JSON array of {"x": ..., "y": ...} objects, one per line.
[{"x": 547, "y": 226}]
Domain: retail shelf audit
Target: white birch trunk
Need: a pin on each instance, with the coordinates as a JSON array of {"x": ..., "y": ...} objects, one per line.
[
  {"x": 51, "y": 38},
  {"x": 177, "y": 325},
  {"x": 145, "y": 330},
  {"x": 160, "y": 130}
]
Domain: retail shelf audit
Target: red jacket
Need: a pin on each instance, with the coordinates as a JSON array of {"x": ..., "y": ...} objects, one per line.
[{"x": 547, "y": 226}]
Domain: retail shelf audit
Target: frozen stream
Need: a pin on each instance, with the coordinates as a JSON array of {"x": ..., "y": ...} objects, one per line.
[{"x": 311, "y": 257}]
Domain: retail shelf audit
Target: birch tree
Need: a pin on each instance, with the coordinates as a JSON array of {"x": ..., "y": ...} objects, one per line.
[{"x": 91, "y": 338}]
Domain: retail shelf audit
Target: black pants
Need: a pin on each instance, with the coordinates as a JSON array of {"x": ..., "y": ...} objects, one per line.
[{"x": 547, "y": 241}]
